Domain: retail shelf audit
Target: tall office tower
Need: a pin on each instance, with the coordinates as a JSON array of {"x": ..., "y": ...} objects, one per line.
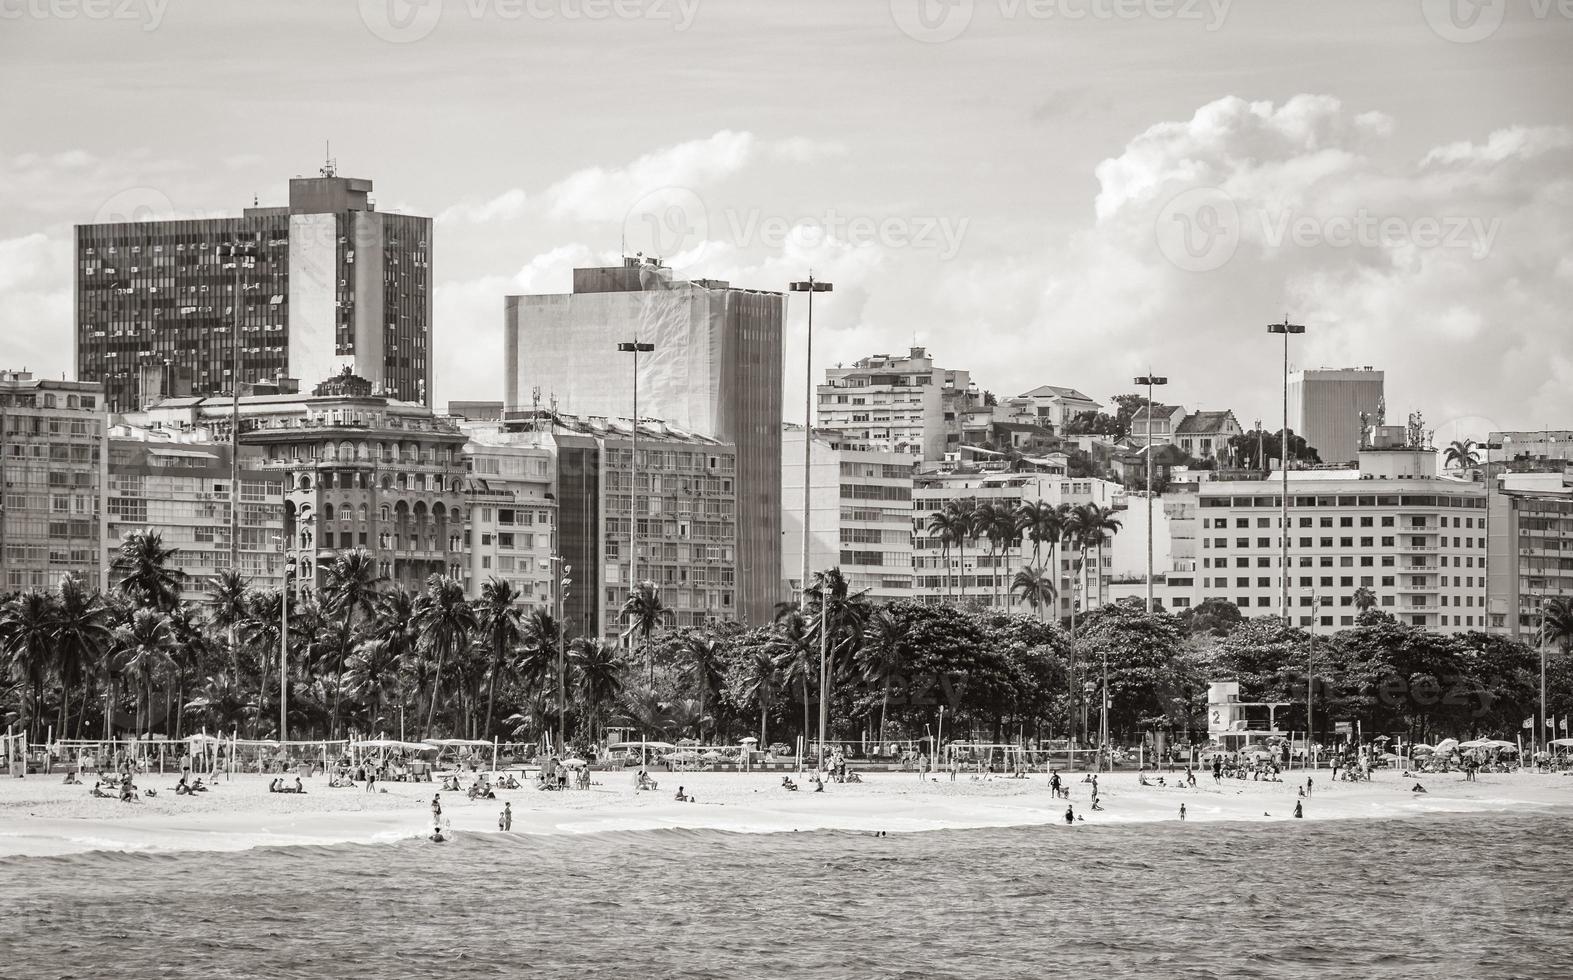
[
  {"x": 1325, "y": 406},
  {"x": 177, "y": 483},
  {"x": 513, "y": 511},
  {"x": 52, "y": 479},
  {"x": 714, "y": 371},
  {"x": 333, "y": 283},
  {"x": 894, "y": 404}
]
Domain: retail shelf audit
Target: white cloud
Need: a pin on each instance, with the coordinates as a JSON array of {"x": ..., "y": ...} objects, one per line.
[
  {"x": 606, "y": 194},
  {"x": 506, "y": 206}
]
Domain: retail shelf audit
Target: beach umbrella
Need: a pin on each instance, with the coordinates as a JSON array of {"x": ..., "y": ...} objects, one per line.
[
  {"x": 1447, "y": 745},
  {"x": 1565, "y": 742},
  {"x": 748, "y": 740},
  {"x": 573, "y": 763}
]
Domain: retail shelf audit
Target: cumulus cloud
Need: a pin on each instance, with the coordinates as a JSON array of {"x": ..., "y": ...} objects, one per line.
[
  {"x": 1449, "y": 270},
  {"x": 606, "y": 193}
]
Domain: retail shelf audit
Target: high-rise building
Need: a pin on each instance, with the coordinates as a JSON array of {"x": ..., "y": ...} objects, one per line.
[
  {"x": 1531, "y": 550},
  {"x": 1415, "y": 540},
  {"x": 714, "y": 370},
  {"x": 687, "y": 524},
  {"x": 511, "y": 492},
  {"x": 1326, "y": 405},
  {"x": 176, "y": 482},
  {"x": 363, "y": 470},
  {"x": 860, "y": 515},
  {"x": 895, "y": 405},
  {"x": 333, "y": 283},
  {"x": 52, "y": 472}
]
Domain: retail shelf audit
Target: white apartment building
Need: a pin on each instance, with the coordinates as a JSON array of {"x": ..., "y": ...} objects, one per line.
[
  {"x": 1416, "y": 540},
  {"x": 971, "y": 572},
  {"x": 860, "y": 507},
  {"x": 513, "y": 511},
  {"x": 1055, "y": 405},
  {"x": 894, "y": 404}
]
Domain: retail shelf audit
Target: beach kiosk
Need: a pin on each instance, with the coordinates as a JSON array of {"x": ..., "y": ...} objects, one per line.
[{"x": 1233, "y": 724}]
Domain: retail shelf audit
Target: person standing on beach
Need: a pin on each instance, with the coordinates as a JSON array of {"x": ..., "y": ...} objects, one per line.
[
  {"x": 922, "y": 764},
  {"x": 1054, "y": 782},
  {"x": 436, "y": 809},
  {"x": 1070, "y": 816},
  {"x": 505, "y": 819},
  {"x": 1182, "y": 812}
]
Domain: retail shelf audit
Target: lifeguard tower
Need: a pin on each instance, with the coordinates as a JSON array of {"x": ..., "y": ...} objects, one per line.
[{"x": 1233, "y": 724}]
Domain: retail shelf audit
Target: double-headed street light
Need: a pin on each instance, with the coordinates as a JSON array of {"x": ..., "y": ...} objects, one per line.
[
  {"x": 1151, "y": 381},
  {"x": 634, "y": 347},
  {"x": 1286, "y": 328},
  {"x": 560, "y": 595},
  {"x": 812, "y": 286}
]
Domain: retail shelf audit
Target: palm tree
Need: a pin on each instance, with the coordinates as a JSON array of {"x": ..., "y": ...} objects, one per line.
[
  {"x": 536, "y": 664},
  {"x": 645, "y": 709},
  {"x": 27, "y": 625},
  {"x": 444, "y": 622},
  {"x": 188, "y": 650},
  {"x": 792, "y": 650},
  {"x": 1364, "y": 598},
  {"x": 1043, "y": 524},
  {"x": 1035, "y": 588},
  {"x": 144, "y": 570},
  {"x": 948, "y": 527},
  {"x": 373, "y": 673},
  {"x": 82, "y": 637},
  {"x": 761, "y": 685},
  {"x": 502, "y": 629},
  {"x": 349, "y": 587},
  {"x": 599, "y": 672},
  {"x": 1556, "y": 623},
  {"x": 704, "y": 654},
  {"x": 1461, "y": 453},
  {"x": 883, "y": 655},
  {"x": 1002, "y": 527},
  {"x": 144, "y": 656},
  {"x": 228, "y": 608},
  {"x": 1092, "y": 525},
  {"x": 220, "y": 702},
  {"x": 646, "y": 613}
]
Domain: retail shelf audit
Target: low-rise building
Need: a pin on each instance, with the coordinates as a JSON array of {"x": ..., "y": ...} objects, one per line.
[
  {"x": 1057, "y": 405},
  {"x": 894, "y": 404},
  {"x": 52, "y": 474},
  {"x": 1165, "y": 424},
  {"x": 1205, "y": 435},
  {"x": 860, "y": 508}
]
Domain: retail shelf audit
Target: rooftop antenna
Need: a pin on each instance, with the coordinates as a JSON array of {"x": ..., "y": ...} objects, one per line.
[{"x": 330, "y": 167}]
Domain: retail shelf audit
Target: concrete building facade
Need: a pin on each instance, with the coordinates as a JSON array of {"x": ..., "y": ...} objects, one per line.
[
  {"x": 363, "y": 470},
  {"x": 1325, "y": 407},
  {"x": 512, "y": 502},
  {"x": 1417, "y": 541},
  {"x": 860, "y": 515},
  {"x": 894, "y": 404},
  {"x": 178, "y": 483},
  {"x": 715, "y": 372},
  {"x": 53, "y": 467},
  {"x": 1056, "y": 405},
  {"x": 333, "y": 283},
  {"x": 1531, "y": 549}
]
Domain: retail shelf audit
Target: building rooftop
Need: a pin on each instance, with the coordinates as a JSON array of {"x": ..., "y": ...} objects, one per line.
[
  {"x": 1206, "y": 423},
  {"x": 1045, "y": 391}
]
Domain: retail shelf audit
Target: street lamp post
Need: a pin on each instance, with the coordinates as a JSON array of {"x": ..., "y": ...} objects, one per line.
[
  {"x": 241, "y": 255},
  {"x": 1150, "y": 380},
  {"x": 1286, "y": 328},
  {"x": 809, "y": 286},
  {"x": 812, "y": 286},
  {"x": 559, "y": 600},
  {"x": 1310, "y": 675},
  {"x": 634, "y": 347},
  {"x": 1103, "y": 740}
]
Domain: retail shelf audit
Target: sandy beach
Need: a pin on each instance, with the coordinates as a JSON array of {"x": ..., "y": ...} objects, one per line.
[{"x": 41, "y": 816}]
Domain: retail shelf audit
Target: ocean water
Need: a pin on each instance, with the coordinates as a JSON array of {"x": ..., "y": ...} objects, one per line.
[{"x": 1476, "y": 897}]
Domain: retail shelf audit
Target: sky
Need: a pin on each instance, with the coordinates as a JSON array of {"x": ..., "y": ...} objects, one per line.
[{"x": 1065, "y": 192}]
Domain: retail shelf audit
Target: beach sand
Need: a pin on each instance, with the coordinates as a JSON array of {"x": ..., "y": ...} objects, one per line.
[{"x": 41, "y": 816}]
